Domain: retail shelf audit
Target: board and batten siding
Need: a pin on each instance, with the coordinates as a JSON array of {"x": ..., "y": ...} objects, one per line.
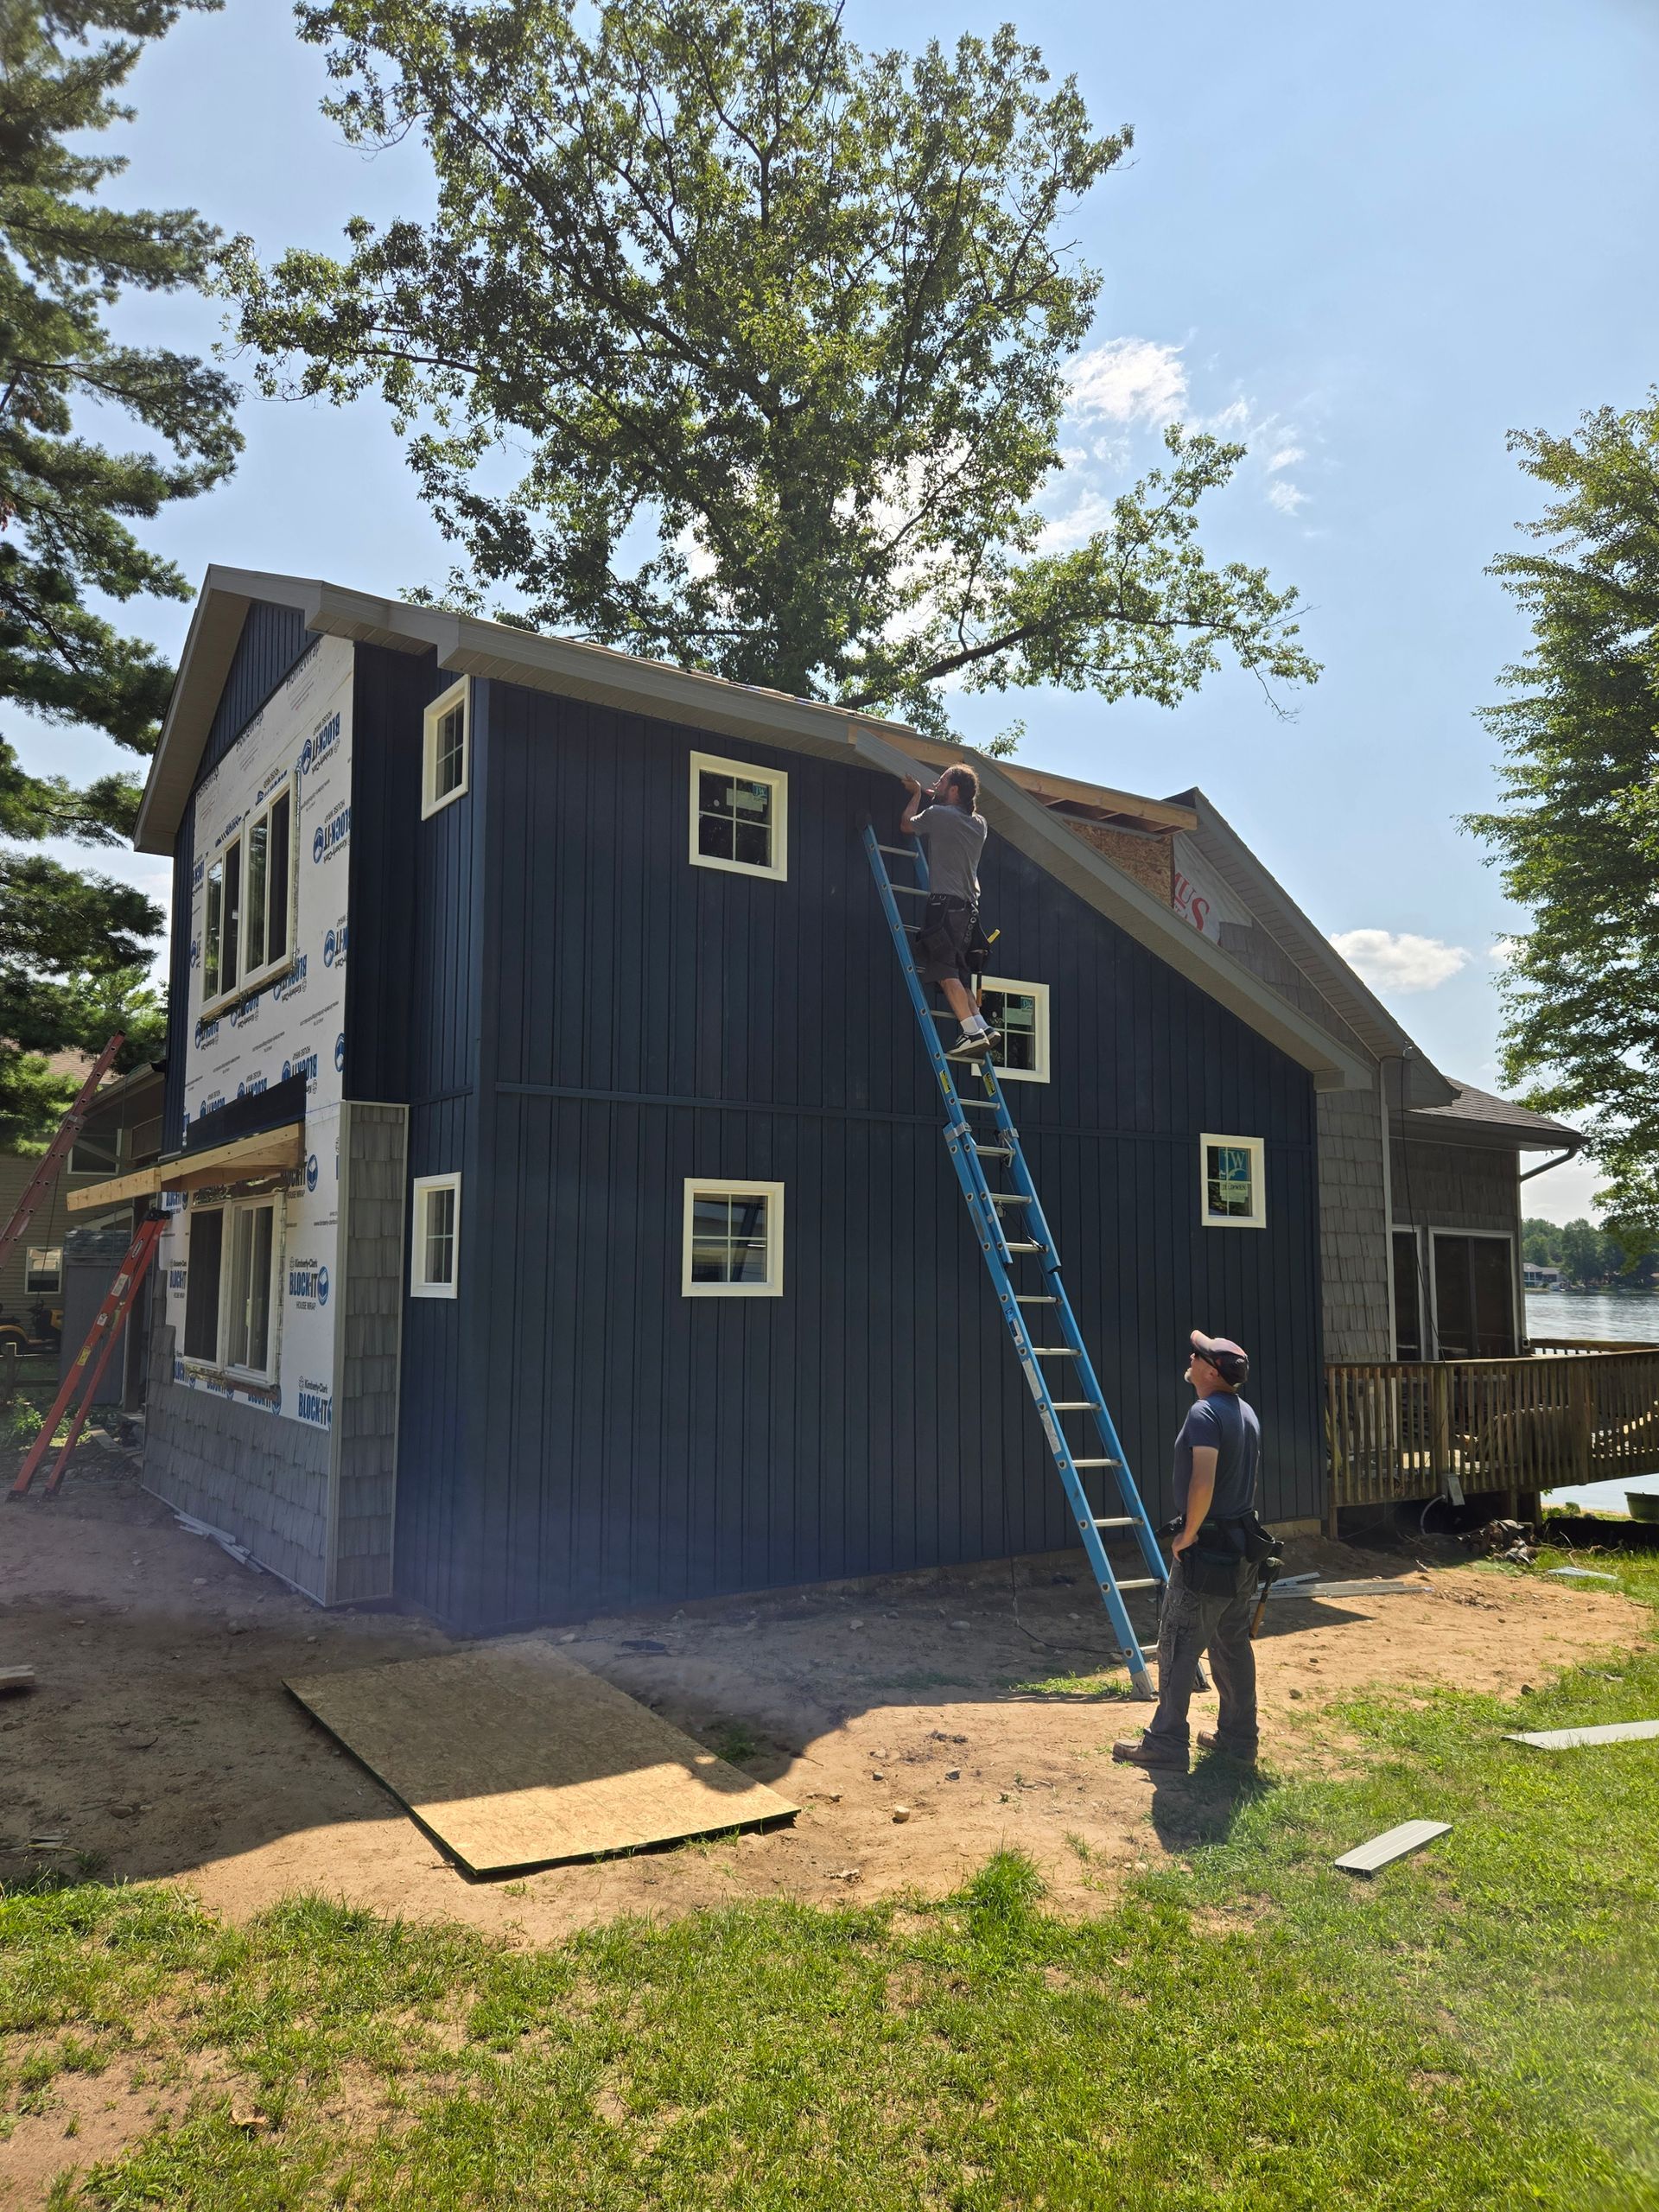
[{"x": 574, "y": 1432}]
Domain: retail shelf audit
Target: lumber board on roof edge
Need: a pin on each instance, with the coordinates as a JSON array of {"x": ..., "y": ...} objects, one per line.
[{"x": 511, "y": 1756}]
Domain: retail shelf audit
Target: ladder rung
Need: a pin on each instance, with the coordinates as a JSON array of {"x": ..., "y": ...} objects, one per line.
[
  {"x": 1056, "y": 1351},
  {"x": 1034, "y": 1298},
  {"x": 1009, "y": 1199},
  {"x": 995, "y": 1151},
  {"x": 1022, "y": 1248},
  {"x": 1119, "y": 1520},
  {"x": 900, "y": 852},
  {"x": 980, "y": 1105},
  {"x": 1074, "y": 1406},
  {"x": 1141, "y": 1582},
  {"x": 1098, "y": 1462},
  {"x": 909, "y": 890}
]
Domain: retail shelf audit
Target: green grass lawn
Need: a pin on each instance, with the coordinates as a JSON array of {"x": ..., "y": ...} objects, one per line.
[{"x": 1247, "y": 2027}]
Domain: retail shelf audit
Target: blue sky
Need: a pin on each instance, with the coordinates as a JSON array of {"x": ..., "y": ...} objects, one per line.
[{"x": 1368, "y": 242}]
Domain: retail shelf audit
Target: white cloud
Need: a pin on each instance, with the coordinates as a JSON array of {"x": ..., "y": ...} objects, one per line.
[
  {"x": 1284, "y": 495},
  {"x": 1091, "y": 513},
  {"x": 1128, "y": 380},
  {"x": 1397, "y": 961},
  {"x": 1285, "y": 458},
  {"x": 1503, "y": 951}
]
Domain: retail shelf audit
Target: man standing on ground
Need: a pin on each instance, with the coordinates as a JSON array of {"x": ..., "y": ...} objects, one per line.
[
  {"x": 953, "y": 831},
  {"x": 1212, "y": 1592}
]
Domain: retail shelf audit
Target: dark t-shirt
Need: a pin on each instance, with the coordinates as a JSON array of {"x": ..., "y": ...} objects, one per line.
[
  {"x": 1228, "y": 1426},
  {"x": 955, "y": 841}
]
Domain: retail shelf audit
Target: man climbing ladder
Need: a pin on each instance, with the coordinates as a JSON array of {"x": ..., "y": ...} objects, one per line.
[
  {"x": 947, "y": 819},
  {"x": 1017, "y": 1247}
]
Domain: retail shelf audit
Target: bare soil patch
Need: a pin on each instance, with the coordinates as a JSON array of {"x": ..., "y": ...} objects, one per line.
[{"x": 161, "y": 1745}]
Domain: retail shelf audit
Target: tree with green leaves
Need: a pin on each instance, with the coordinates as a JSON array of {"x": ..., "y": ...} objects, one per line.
[
  {"x": 1579, "y": 838},
  {"x": 778, "y": 333},
  {"x": 75, "y": 948}
]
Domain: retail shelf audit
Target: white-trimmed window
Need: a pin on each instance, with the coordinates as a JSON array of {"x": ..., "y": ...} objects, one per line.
[
  {"x": 733, "y": 1239},
  {"x": 435, "y": 1240},
  {"x": 248, "y": 929},
  {"x": 42, "y": 1270},
  {"x": 740, "y": 817},
  {"x": 1020, "y": 1012},
  {"x": 446, "y": 752},
  {"x": 231, "y": 1299},
  {"x": 1231, "y": 1193}
]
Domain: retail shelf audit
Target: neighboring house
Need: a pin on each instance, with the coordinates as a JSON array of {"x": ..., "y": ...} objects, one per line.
[
  {"x": 1535, "y": 1276},
  {"x": 123, "y": 1127},
  {"x": 586, "y": 1234},
  {"x": 32, "y": 1271}
]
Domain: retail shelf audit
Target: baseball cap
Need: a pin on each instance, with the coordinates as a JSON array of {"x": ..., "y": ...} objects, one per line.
[{"x": 1231, "y": 1360}]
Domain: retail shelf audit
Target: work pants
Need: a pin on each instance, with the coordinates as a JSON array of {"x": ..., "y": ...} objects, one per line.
[{"x": 1193, "y": 1621}]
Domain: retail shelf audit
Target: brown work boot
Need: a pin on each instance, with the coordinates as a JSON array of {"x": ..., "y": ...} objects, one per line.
[
  {"x": 1210, "y": 1741},
  {"x": 1151, "y": 1756}
]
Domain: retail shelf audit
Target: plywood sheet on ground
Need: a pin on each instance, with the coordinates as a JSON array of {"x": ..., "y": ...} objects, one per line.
[{"x": 513, "y": 1756}]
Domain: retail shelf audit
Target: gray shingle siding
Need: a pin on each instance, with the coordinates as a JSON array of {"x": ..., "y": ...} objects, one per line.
[
  {"x": 260, "y": 1478},
  {"x": 1357, "y": 1297},
  {"x": 372, "y": 1148}
]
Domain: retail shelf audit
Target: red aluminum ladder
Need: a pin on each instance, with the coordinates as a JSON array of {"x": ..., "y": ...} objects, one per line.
[{"x": 107, "y": 1324}]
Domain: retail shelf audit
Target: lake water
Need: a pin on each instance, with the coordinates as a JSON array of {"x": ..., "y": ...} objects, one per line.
[{"x": 1625, "y": 1316}]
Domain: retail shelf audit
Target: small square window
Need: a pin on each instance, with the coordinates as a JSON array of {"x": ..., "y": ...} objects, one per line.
[
  {"x": 446, "y": 760},
  {"x": 435, "y": 1241},
  {"x": 740, "y": 817},
  {"x": 43, "y": 1270},
  {"x": 1232, "y": 1194},
  {"x": 1020, "y": 1012},
  {"x": 733, "y": 1240}
]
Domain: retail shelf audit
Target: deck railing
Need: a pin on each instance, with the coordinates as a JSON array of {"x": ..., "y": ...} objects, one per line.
[{"x": 1565, "y": 1415}]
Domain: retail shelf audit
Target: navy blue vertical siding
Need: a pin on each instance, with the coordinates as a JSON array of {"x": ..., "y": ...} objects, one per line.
[
  {"x": 273, "y": 638},
  {"x": 415, "y": 994},
  {"x": 593, "y": 1019}
]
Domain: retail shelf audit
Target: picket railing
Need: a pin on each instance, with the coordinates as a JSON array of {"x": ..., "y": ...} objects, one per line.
[{"x": 1394, "y": 1431}]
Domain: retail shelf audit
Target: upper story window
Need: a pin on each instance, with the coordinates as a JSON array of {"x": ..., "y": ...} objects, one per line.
[
  {"x": 733, "y": 1240},
  {"x": 248, "y": 930},
  {"x": 43, "y": 1269},
  {"x": 740, "y": 817},
  {"x": 1231, "y": 1191},
  {"x": 434, "y": 1244},
  {"x": 1020, "y": 1012},
  {"x": 446, "y": 753}
]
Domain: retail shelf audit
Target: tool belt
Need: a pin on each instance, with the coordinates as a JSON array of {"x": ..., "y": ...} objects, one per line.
[
  {"x": 1209, "y": 1567},
  {"x": 937, "y": 939}
]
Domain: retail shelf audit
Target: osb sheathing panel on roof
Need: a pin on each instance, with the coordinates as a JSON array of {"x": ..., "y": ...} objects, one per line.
[
  {"x": 511, "y": 1756},
  {"x": 1148, "y": 860}
]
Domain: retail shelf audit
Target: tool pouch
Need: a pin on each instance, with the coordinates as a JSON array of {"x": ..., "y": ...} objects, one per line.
[
  {"x": 1208, "y": 1574},
  {"x": 1260, "y": 1542}
]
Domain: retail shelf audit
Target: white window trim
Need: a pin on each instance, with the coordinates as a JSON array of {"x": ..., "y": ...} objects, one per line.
[
  {"x": 1256, "y": 1147},
  {"x": 1038, "y": 992},
  {"x": 218, "y": 1366},
  {"x": 41, "y": 1290},
  {"x": 418, "y": 1285},
  {"x": 459, "y": 693},
  {"x": 777, "y": 870},
  {"x": 716, "y": 1186},
  {"x": 253, "y": 981}
]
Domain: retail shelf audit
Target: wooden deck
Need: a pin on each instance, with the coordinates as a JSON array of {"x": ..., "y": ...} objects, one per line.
[{"x": 1568, "y": 1413}]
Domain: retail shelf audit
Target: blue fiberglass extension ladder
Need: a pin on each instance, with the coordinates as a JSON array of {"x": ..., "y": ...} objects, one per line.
[{"x": 1003, "y": 1255}]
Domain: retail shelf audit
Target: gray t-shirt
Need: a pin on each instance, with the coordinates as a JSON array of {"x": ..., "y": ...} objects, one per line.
[
  {"x": 955, "y": 841},
  {"x": 1231, "y": 1430}
]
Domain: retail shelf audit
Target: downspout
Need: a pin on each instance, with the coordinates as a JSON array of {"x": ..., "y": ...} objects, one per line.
[{"x": 1544, "y": 1167}]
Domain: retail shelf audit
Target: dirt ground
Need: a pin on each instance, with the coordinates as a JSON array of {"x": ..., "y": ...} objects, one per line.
[{"x": 160, "y": 1743}]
